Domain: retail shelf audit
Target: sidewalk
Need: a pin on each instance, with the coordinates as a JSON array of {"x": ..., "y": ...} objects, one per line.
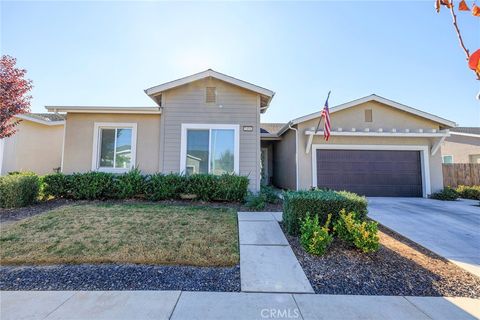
[
  {"x": 267, "y": 263},
  {"x": 217, "y": 305}
]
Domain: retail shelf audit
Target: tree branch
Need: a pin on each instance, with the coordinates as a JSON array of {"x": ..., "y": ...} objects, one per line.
[{"x": 460, "y": 39}]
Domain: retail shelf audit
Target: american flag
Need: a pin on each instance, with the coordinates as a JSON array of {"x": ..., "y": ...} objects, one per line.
[{"x": 326, "y": 124}]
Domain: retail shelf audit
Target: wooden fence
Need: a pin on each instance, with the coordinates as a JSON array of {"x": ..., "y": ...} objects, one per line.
[{"x": 455, "y": 174}]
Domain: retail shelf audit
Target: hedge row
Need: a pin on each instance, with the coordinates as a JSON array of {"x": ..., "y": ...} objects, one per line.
[
  {"x": 18, "y": 190},
  {"x": 101, "y": 185},
  {"x": 297, "y": 204}
]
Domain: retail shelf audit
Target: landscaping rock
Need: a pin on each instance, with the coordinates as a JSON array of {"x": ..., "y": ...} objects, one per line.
[
  {"x": 400, "y": 267},
  {"x": 119, "y": 277}
]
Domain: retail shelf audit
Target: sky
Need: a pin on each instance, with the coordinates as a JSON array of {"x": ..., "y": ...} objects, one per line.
[{"x": 104, "y": 53}]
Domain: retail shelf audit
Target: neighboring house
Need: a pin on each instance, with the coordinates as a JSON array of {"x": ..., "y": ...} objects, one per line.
[
  {"x": 36, "y": 146},
  {"x": 463, "y": 146},
  {"x": 210, "y": 122}
]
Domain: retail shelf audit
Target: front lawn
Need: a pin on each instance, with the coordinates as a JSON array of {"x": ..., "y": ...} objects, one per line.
[{"x": 124, "y": 233}]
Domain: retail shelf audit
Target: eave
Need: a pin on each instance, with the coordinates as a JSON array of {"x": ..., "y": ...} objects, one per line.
[{"x": 89, "y": 109}]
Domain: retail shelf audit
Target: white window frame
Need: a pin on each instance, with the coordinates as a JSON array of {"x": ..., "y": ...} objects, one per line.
[
  {"x": 96, "y": 145},
  {"x": 424, "y": 159},
  {"x": 210, "y": 127},
  {"x": 447, "y": 155}
]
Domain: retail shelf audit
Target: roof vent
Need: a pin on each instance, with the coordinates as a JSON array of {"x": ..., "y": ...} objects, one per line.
[{"x": 211, "y": 95}]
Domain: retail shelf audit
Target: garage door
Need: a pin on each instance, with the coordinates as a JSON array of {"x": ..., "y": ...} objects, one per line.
[{"x": 371, "y": 172}]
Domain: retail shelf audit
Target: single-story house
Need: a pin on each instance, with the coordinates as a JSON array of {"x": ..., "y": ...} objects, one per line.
[
  {"x": 209, "y": 122},
  {"x": 37, "y": 145},
  {"x": 462, "y": 146}
]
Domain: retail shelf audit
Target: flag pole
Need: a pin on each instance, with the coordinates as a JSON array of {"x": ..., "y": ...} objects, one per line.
[{"x": 320, "y": 121}]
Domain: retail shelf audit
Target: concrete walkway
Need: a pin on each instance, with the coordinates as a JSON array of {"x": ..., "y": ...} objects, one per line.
[
  {"x": 177, "y": 305},
  {"x": 267, "y": 263}
]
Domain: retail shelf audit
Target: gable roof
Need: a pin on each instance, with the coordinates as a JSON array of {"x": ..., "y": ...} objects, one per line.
[
  {"x": 372, "y": 97},
  {"x": 272, "y": 128},
  {"x": 49, "y": 119},
  {"x": 266, "y": 95}
]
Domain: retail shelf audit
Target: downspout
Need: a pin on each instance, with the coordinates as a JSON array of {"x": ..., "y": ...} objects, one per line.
[{"x": 296, "y": 153}]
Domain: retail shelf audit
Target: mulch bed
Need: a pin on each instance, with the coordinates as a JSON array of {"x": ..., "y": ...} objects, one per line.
[
  {"x": 119, "y": 277},
  {"x": 400, "y": 267}
]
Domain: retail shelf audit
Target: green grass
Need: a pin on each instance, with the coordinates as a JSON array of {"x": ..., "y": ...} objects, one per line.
[{"x": 124, "y": 233}]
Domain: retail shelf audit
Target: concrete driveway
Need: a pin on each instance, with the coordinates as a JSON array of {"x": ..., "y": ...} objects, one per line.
[{"x": 449, "y": 228}]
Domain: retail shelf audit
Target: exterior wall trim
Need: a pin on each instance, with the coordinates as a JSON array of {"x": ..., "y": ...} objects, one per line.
[
  {"x": 443, "y": 133},
  {"x": 183, "y": 141},
  {"x": 424, "y": 158},
  {"x": 96, "y": 146}
]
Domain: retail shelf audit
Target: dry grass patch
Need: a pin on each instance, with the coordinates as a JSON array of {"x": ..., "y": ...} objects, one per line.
[{"x": 124, "y": 233}]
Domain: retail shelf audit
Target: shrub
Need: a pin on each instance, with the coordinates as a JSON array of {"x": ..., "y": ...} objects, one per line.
[
  {"x": 366, "y": 236},
  {"x": 19, "y": 190},
  {"x": 92, "y": 185},
  {"x": 230, "y": 187},
  {"x": 202, "y": 185},
  {"x": 271, "y": 195},
  {"x": 100, "y": 185},
  {"x": 447, "y": 194},
  {"x": 56, "y": 185},
  {"x": 163, "y": 186},
  {"x": 256, "y": 201},
  {"x": 315, "y": 239},
  {"x": 469, "y": 192},
  {"x": 345, "y": 225},
  {"x": 361, "y": 234},
  {"x": 319, "y": 202},
  {"x": 129, "y": 185}
]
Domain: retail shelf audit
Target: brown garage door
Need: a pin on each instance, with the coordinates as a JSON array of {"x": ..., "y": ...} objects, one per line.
[{"x": 371, "y": 172}]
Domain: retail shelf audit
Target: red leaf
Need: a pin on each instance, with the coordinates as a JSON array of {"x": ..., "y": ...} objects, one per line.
[
  {"x": 14, "y": 97},
  {"x": 462, "y": 6},
  {"x": 476, "y": 10},
  {"x": 474, "y": 61}
]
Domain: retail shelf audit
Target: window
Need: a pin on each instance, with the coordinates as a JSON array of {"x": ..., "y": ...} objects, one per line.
[
  {"x": 114, "y": 147},
  {"x": 211, "y": 95},
  {"x": 209, "y": 149},
  {"x": 368, "y": 115},
  {"x": 447, "y": 159}
]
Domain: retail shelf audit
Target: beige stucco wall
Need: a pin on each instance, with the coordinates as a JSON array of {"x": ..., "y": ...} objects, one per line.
[
  {"x": 79, "y": 140},
  {"x": 461, "y": 148},
  {"x": 186, "y": 104},
  {"x": 34, "y": 147}
]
